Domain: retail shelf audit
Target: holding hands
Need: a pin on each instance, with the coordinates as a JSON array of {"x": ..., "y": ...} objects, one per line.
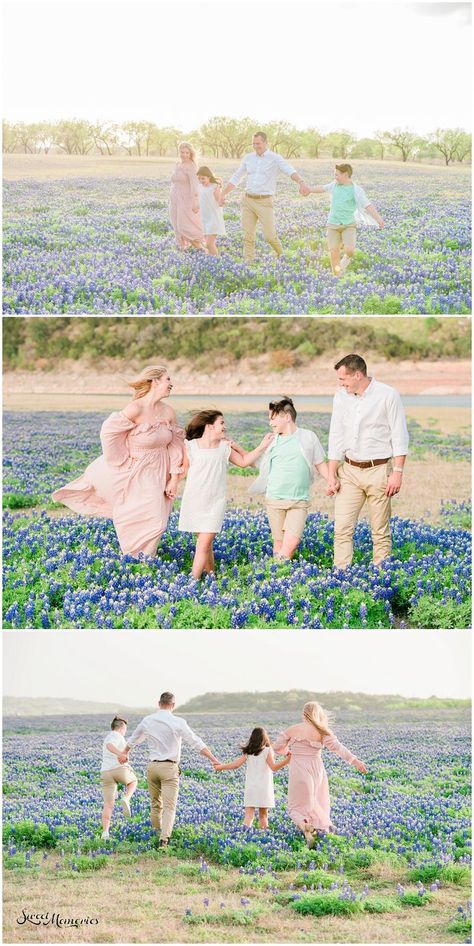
[
  {"x": 123, "y": 758},
  {"x": 304, "y": 189},
  {"x": 172, "y": 487},
  {"x": 333, "y": 485}
]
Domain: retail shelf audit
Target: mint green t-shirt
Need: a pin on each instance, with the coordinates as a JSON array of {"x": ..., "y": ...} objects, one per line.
[
  {"x": 343, "y": 205},
  {"x": 289, "y": 476}
]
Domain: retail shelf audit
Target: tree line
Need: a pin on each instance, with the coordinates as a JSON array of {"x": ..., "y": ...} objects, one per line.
[
  {"x": 224, "y": 137},
  {"x": 45, "y": 343}
]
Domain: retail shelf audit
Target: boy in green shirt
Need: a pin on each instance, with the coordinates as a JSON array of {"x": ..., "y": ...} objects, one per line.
[{"x": 349, "y": 206}]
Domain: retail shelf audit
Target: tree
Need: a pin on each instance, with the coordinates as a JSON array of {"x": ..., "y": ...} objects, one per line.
[
  {"x": 403, "y": 139},
  {"x": 312, "y": 139},
  {"x": 365, "y": 148},
  {"x": 339, "y": 143},
  {"x": 284, "y": 138},
  {"x": 26, "y": 136},
  {"x": 164, "y": 140},
  {"x": 9, "y": 137},
  {"x": 464, "y": 146},
  {"x": 74, "y": 136},
  {"x": 380, "y": 139},
  {"x": 105, "y": 136},
  {"x": 45, "y": 136},
  {"x": 227, "y": 137}
]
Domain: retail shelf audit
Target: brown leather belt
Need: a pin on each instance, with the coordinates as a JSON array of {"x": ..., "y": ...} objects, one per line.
[
  {"x": 259, "y": 196},
  {"x": 365, "y": 464}
]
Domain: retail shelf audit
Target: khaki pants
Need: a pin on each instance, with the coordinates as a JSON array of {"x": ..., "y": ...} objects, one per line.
[
  {"x": 343, "y": 236},
  {"x": 357, "y": 486},
  {"x": 163, "y": 786},
  {"x": 258, "y": 211},
  {"x": 111, "y": 778},
  {"x": 287, "y": 515}
]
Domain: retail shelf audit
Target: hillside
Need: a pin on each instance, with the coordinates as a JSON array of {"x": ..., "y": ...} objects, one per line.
[
  {"x": 43, "y": 344},
  {"x": 294, "y": 700},
  {"x": 275, "y": 700}
]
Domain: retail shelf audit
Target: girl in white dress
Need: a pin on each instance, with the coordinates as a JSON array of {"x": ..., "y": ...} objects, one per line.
[
  {"x": 211, "y": 203},
  {"x": 260, "y": 760},
  {"x": 207, "y": 455}
]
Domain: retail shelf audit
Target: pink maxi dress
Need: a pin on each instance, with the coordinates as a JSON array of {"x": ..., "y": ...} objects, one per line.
[
  {"x": 127, "y": 483},
  {"x": 308, "y": 788},
  {"x": 186, "y": 224}
]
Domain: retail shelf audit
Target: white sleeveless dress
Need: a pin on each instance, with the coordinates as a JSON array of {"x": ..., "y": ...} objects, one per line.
[
  {"x": 259, "y": 791},
  {"x": 205, "y": 493},
  {"x": 211, "y": 214}
]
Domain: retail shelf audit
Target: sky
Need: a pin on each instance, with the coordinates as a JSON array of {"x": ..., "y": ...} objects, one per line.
[
  {"x": 133, "y": 668},
  {"x": 360, "y": 66}
]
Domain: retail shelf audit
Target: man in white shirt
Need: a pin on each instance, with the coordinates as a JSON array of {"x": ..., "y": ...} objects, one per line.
[
  {"x": 164, "y": 734},
  {"x": 261, "y": 169},
  {"x": 368, "y": 445}
]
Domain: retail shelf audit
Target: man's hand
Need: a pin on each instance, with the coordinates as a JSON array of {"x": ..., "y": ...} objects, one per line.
[
  {"x": 394, "y": 484},
  {"x": 304, "y": 189},
  {"x": 333, "y": 486}
]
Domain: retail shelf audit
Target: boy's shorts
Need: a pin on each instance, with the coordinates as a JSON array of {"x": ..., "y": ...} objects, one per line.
[
  {"x": 342, "y": 236},
  {"x": 111, "y": 778},
  {"x": 287, "y": 515}
]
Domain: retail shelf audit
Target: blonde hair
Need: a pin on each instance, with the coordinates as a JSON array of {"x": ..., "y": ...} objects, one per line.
[
  {"x": 314, "y": 714},
  {"x": 142, "y": 384},
  {"x": 192, "y": 151}
]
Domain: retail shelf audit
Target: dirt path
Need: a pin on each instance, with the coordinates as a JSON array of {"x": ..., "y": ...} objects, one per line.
[{"x": 27, "y": 390}]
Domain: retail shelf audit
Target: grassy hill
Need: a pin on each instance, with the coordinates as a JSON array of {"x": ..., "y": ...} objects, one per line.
[
  {"x": 43, "y": 343},
  {"x": 294, "y": 700},
  {"x": 275, "y": 700}
]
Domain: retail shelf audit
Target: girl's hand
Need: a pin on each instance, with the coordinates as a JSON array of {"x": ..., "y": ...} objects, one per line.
[
  {"x": 172, "y": 487},
  {"x": 360, "y": 767}
]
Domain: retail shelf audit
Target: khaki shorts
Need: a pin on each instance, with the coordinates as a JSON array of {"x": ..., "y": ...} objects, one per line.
[
  {"x": 121, "y": 775},
  {"x": 287, "y": 515},
  {"x": 342, "y": 236}
]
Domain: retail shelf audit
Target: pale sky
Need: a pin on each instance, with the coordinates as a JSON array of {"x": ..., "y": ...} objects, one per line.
[
  {"x": 360, "y": 66},
  {"x": 132, "y": 668}
]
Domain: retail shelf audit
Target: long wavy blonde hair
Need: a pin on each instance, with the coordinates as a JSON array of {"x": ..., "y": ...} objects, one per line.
[
  {"x": 314, "y": 714},
  {"x": 142, "y": 384},
  {"x": 192, "y": 151}
]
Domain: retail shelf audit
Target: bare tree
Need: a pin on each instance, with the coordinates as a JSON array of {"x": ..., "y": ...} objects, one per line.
[
  {"x": 74, "y": 136},
  {"x": 9, "y": 137},
  {"x": 403, "y": 139}
]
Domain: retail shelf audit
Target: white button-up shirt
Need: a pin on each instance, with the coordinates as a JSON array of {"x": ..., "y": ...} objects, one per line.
[
  {"x": 164, "y": 734},
  {"x": 262, "y": 172},
  {"x": 368, "y": 426}
]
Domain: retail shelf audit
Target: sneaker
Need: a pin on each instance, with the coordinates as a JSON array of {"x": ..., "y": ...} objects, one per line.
[
  {"x": 163, "y": 842},
  {"x": 105, "y": 836},
  {"x": 125, "y": 805}
]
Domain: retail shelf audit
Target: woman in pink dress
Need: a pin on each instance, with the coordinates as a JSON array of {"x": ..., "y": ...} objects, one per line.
[
  {"x": 185, "y": 213},
  {"x": 135, "y": 480},
  {"x": 309, "y": 804}
]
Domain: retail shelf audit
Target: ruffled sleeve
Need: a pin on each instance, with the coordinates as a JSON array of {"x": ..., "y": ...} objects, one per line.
[
  {"x": 113, "y": 437},
  {"x": 333, "y": 744},
  {"x": 281, "y": 743},
  {"x": 176, "y": 450}
]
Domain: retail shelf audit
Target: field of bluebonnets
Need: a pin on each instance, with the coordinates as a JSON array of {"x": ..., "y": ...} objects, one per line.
[
  {"x": 67, "y": 571},
  {"x": 102, "y": 245},
  {"x": 402, "y": 837}
]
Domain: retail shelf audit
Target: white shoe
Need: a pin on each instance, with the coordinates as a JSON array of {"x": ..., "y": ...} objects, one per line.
[
  {"x": 105, "y": 836},
  {"x": 126, "y": 807}
]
